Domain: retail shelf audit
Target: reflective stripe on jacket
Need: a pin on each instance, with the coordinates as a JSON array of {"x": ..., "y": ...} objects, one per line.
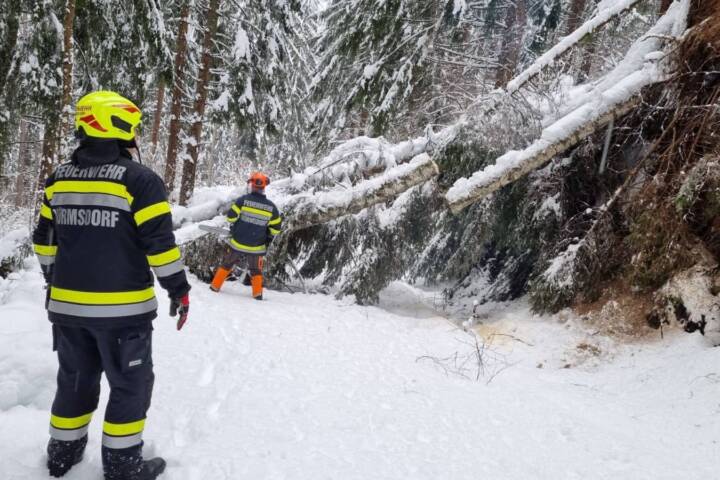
[
  {"x": 104, "y": 224},
  {"x": 255, "y": 222}
]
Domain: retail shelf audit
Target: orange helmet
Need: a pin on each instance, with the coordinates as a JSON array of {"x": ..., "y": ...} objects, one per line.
[{"x": 258, "y": 180}]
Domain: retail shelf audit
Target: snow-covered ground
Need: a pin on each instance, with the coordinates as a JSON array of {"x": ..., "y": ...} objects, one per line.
[{"x": 307, "y": 387}]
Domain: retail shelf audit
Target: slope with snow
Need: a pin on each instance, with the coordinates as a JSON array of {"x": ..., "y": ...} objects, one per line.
[{"x": 306, "y": 387}]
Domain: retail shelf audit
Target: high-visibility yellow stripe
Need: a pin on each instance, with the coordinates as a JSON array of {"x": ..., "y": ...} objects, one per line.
[
  {"x": 70, "y": 423},
  {"x": 260, "y": 248},
  {"x": 148, "y": 213},
  {"x": 275, "y": 221},
  {"x": 235, "y": 209},
  {"x": 75, "y": 186},
  {"x": 46, "y": 212},
  {"x": 119, "y": 429},
  {"x": 232, "y": 220},
  {"x": 274, "y": 231},
  {"x": 48, "y": 250},
  {"x": 257, "y": 211},
  {"x": 101, "y": 298},
  {"x": 164, "y": 258}
]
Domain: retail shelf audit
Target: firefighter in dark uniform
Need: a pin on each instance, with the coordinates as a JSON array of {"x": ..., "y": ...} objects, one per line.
[
  {"x": 104, "y": 224},
  {"x": 255, "y": 221}
]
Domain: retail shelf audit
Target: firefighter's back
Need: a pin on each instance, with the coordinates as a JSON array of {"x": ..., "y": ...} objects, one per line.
[{"x": 111, "y": 223}]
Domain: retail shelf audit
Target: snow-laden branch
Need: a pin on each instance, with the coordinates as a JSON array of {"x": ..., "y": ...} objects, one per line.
[
  {"x": 14, "y": 248},
  {"x": 305, "y": 210},
  {"x": 612, "y": 96},
  {"x": 605, "y": 11},
  {"x": 365, "y": 154},
  {"x": 205, "y": 204},
  {"x": 359, "y": 156}
]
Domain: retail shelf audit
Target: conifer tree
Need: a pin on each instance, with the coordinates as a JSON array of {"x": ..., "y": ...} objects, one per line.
[
  {"x": 261, "y": 85},
  {"x": 372, "y": 54}
]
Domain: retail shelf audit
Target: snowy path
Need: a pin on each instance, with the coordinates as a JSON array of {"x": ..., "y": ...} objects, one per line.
[{"x": 305, "y": 387}]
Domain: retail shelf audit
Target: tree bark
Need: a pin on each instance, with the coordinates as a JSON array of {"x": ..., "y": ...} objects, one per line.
[
  {"x": 664, "y": 5},
  {"x": 67, "y": 70},
  {"x": 6, "y": 54},
  {"x": 515, "y": 20},
  {"x": 24, "y": 152},
  {"x": 177, "y": 99},
  {"x": 49, "y": 148},
  {"x": 577, "y": 7},
  {"x": 159, "y": 102},
  {"x": 187, "y": 185},
  {"x": 587, "y": 61}
]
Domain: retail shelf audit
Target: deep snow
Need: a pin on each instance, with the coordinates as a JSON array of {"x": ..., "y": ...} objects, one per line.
[{"x": 307, "y": 387}]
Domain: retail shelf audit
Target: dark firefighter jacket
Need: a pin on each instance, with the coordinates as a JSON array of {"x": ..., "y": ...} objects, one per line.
[
  {"x": 104, "y": 222},
  {"x": 256, "y": 220}
]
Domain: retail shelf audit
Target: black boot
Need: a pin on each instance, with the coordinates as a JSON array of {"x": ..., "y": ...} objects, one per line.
[
  {"x": 128, "y": 464},
  {"x": 152, "y": 468},
  {"x": 63, "y": 455}
]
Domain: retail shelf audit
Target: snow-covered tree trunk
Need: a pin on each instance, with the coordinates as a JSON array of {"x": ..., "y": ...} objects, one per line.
[
  {"x": 66, "y": 117},
  {"x": 303, "y": 211},
  {"x": 512, "y": 42},
  {"x": 24, "y": 161},
  {"x": 187, "y": 185},
  {"x": 49, "y": 148},
  {"x": 616, "y": 94},
  {"x": 159, "y": 105},
  {"x": 531, "y": 158},
  {"x": 577, "y": 7},
  {"x": 8, "y": 44},
  {"x": 177, "y": 99}
]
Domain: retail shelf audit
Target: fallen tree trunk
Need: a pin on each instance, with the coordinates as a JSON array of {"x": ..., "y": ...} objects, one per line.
[
  {"x": 614, "y": 95},
  {"x": 362, "y": 155},
  {"x": 592, "y": 25},
  {"x": 305, "y": 210},
  {"x": 515, "y": 165}
]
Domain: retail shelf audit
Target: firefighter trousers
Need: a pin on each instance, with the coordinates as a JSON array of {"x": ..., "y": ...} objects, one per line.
[
  {"x": 254, "y": 264},
  {"x": 125, "y": 355}
]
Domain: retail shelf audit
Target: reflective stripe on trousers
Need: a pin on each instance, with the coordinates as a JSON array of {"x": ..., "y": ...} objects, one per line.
[
  {"x": 127, "y": 441},
  {"x": 45, "y": 259},
  {"x": 122, "y": 435},
  {"x": 68, "y": 429},
  {"x": 68, "y": 435}
]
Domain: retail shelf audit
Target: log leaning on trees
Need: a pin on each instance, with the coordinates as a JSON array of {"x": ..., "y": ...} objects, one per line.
[
  {"x": 306, "y": 210},
  {"x": 458, "y": 202}
]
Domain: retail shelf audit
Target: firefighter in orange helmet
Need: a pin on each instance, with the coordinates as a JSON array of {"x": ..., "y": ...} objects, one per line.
[{"x": 255, "y": 221}]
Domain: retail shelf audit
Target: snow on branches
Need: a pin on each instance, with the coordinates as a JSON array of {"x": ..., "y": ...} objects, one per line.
[
  {"x": 612, "y": 96},
  {"x": 305, "y": 210}
]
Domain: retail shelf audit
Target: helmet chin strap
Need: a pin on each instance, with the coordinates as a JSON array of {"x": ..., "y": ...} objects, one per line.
[
  {"x": 132, "y": 144},
  {"x": 137, "y": 150}
]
